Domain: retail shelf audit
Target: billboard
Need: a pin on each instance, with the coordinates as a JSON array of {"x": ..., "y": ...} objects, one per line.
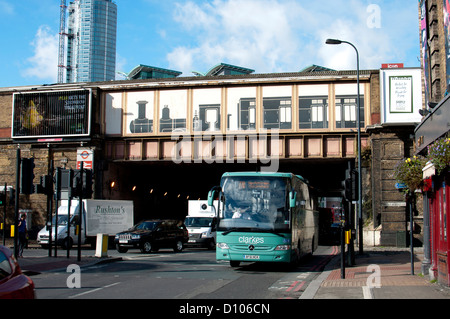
[
  {"x": 401, "y": 95},
  {"x": 54, "y": 114}
]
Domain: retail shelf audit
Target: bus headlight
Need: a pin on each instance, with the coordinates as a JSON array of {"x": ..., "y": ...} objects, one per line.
[
  {"x": 222, "y": 246},
  {"x": 283, "y": 247}
]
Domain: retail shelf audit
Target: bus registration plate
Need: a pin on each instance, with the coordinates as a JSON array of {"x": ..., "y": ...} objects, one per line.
[{"x": 252, "y": 257}]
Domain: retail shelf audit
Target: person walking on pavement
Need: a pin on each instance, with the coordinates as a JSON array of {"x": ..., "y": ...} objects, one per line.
[{"x": 22, "y": 234}]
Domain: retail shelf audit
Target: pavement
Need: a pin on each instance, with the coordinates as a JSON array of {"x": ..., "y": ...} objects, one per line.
[
  {"x": 378, "y": 273},
  {"x": 37, "y": 260}
]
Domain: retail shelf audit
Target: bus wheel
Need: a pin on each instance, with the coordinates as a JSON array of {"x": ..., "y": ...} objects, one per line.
[{"x": 234, "y": 263}]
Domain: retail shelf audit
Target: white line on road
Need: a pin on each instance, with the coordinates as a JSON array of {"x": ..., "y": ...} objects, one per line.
[{"x": 94, "y": 290}]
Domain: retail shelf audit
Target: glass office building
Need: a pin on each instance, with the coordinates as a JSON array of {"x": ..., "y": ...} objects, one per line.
[{"x": 91, "y": 46}]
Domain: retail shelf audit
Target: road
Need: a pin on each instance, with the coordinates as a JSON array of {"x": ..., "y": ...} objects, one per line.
[{"x": 192, "y": 274}]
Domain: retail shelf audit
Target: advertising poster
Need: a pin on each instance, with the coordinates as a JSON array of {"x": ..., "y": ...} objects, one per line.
[
  {"x": 424, "y": 48},
  {"x": 51, "y": 114},
  {"x": 401, "y": 99}
]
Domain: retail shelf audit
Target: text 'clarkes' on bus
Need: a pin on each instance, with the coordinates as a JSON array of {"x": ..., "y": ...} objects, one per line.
[{"x": 264, "y": 217}]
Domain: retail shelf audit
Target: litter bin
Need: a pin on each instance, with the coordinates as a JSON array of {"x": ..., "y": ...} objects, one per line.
[{"x": 101, "y": 249}]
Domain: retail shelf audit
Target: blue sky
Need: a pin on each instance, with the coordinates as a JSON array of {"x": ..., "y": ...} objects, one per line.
[{"x": 264, "y": 35}]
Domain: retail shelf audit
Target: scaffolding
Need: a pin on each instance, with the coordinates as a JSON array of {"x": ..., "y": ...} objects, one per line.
[{"x": 62, "y": 41}]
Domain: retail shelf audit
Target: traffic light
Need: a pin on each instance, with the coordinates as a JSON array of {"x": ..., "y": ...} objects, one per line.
[
  {"x": 77, "y": 188},
  {"x": 12, "y": 196},
  {"x": 2, "y": 199},
  {"x": 347, "y": 192},
  {"x": 27, "y": 176},
  {"x": 354, "y": 186},
  {"x": 350, "y": 185},
  {"x": 73, "y": 184},
  {"x": 87, "y": 183},
  {"x": 45, "y": 185}
]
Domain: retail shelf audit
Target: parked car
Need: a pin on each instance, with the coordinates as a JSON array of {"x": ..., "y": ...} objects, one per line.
[
  {"x": 151, "y": 235},
  {"x": 13, "y": 283}
]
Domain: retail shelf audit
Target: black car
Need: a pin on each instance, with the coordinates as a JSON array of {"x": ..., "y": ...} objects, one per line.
[{"x": 151, "y": 235}]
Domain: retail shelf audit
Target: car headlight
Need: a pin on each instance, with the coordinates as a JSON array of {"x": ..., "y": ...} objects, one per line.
[
  {"x": 222, "y": 246},
  {"x": 135, "y": 236}
]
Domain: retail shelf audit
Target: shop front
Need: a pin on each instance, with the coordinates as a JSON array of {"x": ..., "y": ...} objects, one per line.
[
  {"x": 439, "y": 207},
  {"x": 433, "y": 141}
]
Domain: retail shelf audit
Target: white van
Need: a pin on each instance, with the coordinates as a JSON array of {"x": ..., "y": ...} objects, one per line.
[{"x": 201, "y": 224}]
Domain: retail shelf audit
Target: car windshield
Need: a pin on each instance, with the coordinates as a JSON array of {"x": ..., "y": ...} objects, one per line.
[
  {"x": 254, "y": 204},
  {"x": 198, "y": 221},
  {"x": 145, "y": 225},
  {"x": 62, "y": 220}
]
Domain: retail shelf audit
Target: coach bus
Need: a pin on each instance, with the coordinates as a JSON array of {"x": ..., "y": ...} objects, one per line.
[{"x": 264, "y": 217}]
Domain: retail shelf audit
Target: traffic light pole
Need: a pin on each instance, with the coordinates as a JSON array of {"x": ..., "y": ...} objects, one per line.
[
  {"x": 49, "y": 191},
  {"x": 80, "y": 207},
  {"x": 57, "y": 199},
  {"x": 16, "y": 204},
  {"x": 4, "y": 215},
  {"x": 70, "y": 181}
]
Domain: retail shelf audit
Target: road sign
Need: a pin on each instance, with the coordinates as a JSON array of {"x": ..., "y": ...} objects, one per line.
[
  {"x": 86, "y": 156},
  {"x": 400, "y": 185}
]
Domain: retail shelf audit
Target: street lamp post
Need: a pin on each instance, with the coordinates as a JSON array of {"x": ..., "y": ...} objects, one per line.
[{"x": 358, "y": 121}]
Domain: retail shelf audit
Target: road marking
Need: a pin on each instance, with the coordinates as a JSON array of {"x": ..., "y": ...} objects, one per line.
[
  {"x": 94, "y": 290},
  {"x": 297, "y": 285},
  {"x": 367, "y": 292},
  {"x": 325, "y": 261},
  {"x": 312, "y": 288}
]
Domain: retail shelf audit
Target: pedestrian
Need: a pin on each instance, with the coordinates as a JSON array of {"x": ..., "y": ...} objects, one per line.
[{"x": 22, "y": 234}]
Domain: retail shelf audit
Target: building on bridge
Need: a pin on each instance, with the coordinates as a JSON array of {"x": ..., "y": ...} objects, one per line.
[{"x": 162, "y": 142}]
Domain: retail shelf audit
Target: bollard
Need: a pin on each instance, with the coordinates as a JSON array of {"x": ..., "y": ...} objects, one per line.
[
  {"x": 102, "y": 246},
  {"x": 12, "y": 231},
  {"x": 348, "y": 236}
]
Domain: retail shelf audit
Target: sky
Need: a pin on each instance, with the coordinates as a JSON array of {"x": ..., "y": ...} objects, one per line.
[{"x": 268, "y": 36}]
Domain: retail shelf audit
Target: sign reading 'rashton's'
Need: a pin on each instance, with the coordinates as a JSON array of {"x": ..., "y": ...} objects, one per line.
[{"x": 51, "y": 114}]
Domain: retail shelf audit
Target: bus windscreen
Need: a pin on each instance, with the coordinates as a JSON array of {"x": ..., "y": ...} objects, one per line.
[{"x": 254, "y": 204}]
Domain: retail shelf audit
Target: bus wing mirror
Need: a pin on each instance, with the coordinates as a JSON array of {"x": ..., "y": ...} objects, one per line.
[
  {"x": 210, "y": 198},
  {"x": 292, "y": 199},
  {"x": 212, "y": 194}
]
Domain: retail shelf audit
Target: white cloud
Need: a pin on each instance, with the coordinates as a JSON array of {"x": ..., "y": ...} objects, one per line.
[
  {"x": 288, "y": 35},
  {"x": 6, "y": 8},
  {"x": 43, "y": 65},
  {"x": 241, "y": 32}
]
